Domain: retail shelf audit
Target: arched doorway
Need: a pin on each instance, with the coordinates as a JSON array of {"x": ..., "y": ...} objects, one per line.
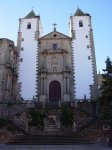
[{"x": 54, "y": 91}]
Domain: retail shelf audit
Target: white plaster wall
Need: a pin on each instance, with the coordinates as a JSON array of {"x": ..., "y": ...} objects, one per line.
[
  {"x": 27, "y": 72},
  {"x": 82, "y": 65}
]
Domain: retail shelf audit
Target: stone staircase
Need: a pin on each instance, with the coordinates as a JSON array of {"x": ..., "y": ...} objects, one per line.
[{"x": 49, "y": 140}]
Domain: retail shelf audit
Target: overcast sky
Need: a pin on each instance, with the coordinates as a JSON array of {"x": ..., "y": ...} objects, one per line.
[{"x": 59, "y": 11}]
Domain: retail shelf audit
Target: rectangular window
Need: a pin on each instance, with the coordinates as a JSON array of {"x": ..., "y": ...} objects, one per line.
[
  {"x": 22, "y": 48},
  {"x": 21, "y": 59},
  {"x": 54, "y": 69},
  {"x": 29, "y": 25},
  {"x": 87, "y": 46},
  {"x": 89, "y": 57},
  {"x": 55, "y": 46},
  {"x": 80, "y": 24}
]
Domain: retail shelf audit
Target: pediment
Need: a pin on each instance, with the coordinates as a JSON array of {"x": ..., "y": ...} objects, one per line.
[{"x": 55, "y": 35}]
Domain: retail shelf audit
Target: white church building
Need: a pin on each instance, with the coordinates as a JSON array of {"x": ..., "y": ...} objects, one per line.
[{"x": 81, "y": 52}]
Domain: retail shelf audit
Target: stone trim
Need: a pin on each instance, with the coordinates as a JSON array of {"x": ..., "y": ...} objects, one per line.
[{"x": 94, "y": 89}]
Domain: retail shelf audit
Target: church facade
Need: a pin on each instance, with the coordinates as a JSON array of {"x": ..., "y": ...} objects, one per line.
[
  {"x": 55, "y": 72},
  {"x": 56, "y": 67}
]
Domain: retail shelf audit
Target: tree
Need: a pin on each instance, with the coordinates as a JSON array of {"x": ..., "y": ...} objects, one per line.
[
  {"x": 105, "y": 99},
  {"x": 66, "y": 117},
  {"x": 36, "y": 118}
]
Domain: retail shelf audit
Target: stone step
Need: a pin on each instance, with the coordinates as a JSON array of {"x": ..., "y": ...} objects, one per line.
[{"x": 49, "y": 139}]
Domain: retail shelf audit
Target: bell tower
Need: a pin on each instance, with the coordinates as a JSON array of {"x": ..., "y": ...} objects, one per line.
[
  {"x": 85, "y": 73},
  {"x": 28, "y": 34}
]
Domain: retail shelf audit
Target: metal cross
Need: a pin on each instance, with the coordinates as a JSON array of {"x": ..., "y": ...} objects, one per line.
[{"x": 54, "y": 26}]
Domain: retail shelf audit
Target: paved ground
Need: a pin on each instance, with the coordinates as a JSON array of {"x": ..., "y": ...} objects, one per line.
[{"x": 56, "y": 147}]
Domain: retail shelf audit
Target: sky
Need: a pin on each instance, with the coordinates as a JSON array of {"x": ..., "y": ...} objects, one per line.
[{"x": 59, "y": 11}]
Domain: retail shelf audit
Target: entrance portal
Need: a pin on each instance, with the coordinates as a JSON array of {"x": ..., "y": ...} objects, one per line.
[{"x": 54, "y": 91}]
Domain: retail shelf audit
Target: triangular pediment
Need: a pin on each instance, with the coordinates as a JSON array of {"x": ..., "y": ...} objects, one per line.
[{"x": 55, "y": 35}]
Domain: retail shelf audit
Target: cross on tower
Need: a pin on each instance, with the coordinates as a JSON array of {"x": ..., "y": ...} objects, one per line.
[{"x": 54, "y": 24}]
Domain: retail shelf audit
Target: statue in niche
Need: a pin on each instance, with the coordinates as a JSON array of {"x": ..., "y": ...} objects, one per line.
[
  {"x": 67, "y": 68},
  {"x": 51, "y": 121},
  {"x": 43, "y": 69}
]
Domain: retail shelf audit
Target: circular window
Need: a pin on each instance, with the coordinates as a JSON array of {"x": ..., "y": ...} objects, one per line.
[{"x": 55, "y": 35}]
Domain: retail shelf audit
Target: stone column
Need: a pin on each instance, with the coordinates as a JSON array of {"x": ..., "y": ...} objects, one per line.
[
  {"x": 68, "y": 90},
  {"x": 64, "y": 85},
  {"x": 44, "y": 86},
  {"x": 41, "y": 85}
]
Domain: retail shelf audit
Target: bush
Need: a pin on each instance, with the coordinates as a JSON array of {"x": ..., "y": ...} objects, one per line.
[
  {"x": 36, "y": 118},
  {"x": 66, "y": 117}
]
